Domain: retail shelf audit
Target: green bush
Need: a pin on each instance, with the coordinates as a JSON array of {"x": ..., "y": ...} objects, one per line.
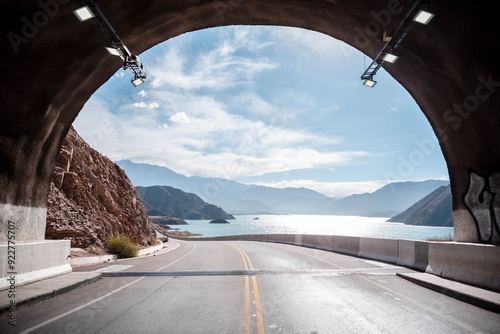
[{"x": 122, "y": 246}]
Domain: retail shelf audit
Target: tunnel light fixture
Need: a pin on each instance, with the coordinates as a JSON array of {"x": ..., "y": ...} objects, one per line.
[
  {"x": 137, "y": 81},
  {"x": 370, "y": 83},
  {"x": 392, "y": 41},
  {"x": 390, "y": 58},
  {"x": 423, "y": 17},
  {"x": 113, "y": 51},
  {"x": 84, "y": 13},
  {"x": 115, "y": 46}
]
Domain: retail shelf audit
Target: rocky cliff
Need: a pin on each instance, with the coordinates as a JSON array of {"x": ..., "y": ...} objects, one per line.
[
  {"x": 173, "y": 202},
  {"x": 92, "y": 198}
]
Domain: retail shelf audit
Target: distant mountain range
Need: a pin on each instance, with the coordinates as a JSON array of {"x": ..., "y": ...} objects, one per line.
[
  {"x": 172, "y": 202},
  {"x": 385, "y": 202},
  {"x": 433, "y": 210},
  {"x": 238, "y": 198}
]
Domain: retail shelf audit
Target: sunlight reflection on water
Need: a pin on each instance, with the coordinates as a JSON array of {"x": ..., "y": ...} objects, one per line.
[{"x": 374, "y": 227}]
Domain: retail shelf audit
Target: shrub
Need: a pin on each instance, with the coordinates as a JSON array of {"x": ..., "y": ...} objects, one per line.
[{"x": 122, "y": 246}]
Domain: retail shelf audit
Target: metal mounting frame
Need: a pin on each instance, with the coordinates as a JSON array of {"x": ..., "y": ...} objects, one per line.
[
  {"x": 130, "y": 61},
  {"x": 393, "y": 41}
]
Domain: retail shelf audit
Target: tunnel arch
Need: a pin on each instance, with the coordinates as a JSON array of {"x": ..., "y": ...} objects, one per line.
[{"x": 54, "y": 63}]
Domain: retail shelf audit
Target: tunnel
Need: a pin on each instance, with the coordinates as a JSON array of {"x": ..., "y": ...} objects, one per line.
[{"x": 53, "y": 63}]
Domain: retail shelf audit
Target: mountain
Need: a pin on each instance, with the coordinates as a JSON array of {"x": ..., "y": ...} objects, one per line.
[
  {"x": 91, "y": 198},
  {"x": 234, "y": 197},
  {"x": 250, "y": 207},
  {"x": 385, "y": 202},
  {"x": 238, "y": 198},
  {"x": 434, "y": 209},
  {"x": 169, "y": 201}
]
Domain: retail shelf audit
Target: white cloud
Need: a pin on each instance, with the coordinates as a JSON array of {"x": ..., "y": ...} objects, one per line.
[
  {"x": 180, "y": 117},
  {"x": 209, "y": 142},
  {"x": 214, "y": 140},
  {"x": 142, "y": 105},
  {"x": 216, "y": 69},
  {"x": 315, "y": 43}
]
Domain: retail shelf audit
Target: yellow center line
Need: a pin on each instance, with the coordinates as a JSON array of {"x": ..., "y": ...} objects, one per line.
[
  {"x": 258, "y": 306},
  {"x": 246, "y": 321}
]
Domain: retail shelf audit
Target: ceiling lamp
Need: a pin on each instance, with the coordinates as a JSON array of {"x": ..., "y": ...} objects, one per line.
[
  {"x": 114, "y": 51},
  {"x": 115, "y": 46},
  {"x": 370, "y": 83},
  {"x": 423, "y": 17},
  {"x": 84, "y": 13},
  {"x": 393, "y": 40},
  {"x": 137, "y": 81},
  {"x": 390, "y": 58}
]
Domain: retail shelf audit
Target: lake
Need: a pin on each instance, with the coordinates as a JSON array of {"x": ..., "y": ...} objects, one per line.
[{"x": 374, "y": 227}]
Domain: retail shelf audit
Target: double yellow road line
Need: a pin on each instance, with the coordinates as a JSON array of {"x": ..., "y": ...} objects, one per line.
[{"x": 256, "y": 296}]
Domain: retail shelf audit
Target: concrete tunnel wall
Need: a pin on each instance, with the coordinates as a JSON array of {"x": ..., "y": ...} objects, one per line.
[{"x": 52, "y": 64}]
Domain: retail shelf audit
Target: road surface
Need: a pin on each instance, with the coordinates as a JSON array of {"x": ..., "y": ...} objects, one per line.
[{"x": 250, "y": 287}]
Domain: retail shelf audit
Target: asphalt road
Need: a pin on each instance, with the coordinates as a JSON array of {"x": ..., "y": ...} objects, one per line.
[{"x": 250, "y": 287}]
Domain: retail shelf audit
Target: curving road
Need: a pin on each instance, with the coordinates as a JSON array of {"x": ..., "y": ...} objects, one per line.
[{"x": 250, "y": 287}]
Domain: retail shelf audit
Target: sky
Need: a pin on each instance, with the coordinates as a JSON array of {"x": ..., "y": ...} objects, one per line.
[{"x": 275, "y": 106}]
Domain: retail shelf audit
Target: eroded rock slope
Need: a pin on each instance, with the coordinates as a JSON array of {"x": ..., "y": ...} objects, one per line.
[{"x": 92, "y": 198}]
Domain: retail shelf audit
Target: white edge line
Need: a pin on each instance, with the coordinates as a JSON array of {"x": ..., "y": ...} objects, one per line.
[
  {"x": 79, "y": 307},
  {"x": 98, "y": 299}
]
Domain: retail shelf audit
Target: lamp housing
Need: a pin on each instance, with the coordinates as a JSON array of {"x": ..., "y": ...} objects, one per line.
[
  {"x": 137, "y": 81},
  {"x": 114, "y": 51},
  {"x": 423, "y": 17},
  {"x": 370, "y": 83},
  {"x": 83, "y": 13},
  {"x": 390, "y": 58}
]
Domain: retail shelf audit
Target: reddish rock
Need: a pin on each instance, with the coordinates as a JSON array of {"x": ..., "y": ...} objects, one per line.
[{"x": 92, "y": 198}]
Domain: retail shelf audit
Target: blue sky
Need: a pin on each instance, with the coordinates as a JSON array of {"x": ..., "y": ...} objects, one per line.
[{"x": 277, "y": 106}]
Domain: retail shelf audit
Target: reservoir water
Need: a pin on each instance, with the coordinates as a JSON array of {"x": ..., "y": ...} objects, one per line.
[{"x": 374, "y": 227}]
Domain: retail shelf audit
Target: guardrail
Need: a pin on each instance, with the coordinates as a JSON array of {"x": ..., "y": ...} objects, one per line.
[{"x": 475, "y": 264}]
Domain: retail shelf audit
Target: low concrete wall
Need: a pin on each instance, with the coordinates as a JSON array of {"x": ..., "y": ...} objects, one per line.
[
  {"x": 386, "y": 250},
  {"x": 346, "y": 245},
  {"x": 475, "y": 264},
  {"x": 32, "y": 261},
  {"x": 413, "y": 254}
]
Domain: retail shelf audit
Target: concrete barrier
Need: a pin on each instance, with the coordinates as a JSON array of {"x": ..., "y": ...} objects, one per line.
[
  {"x": 475, "y": 264},
  {"x": 470, "y": 263},
  {"x": 379, "y": 249},
  {"x": 413, "y": 254},
  {"x": 310, "y": 240},
  {"x": 346, "y": 245},
  {"x": 326, "y": 242},
  {"x": 33, "y": 261}
]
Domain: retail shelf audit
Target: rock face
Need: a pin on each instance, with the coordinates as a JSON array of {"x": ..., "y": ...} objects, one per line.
[
  {"x": 92, "y": 198},
  {"x": 219, "y": 221},
  {"x": 173, "y": 202},
  {"x": 432, "y": 210},
  {"x": 163, "y": 220}
]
